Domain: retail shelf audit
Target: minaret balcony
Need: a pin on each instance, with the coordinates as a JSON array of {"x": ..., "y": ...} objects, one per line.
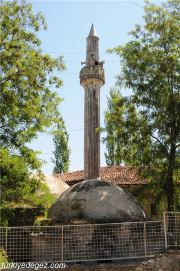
[{"x": 94, "y": 71}]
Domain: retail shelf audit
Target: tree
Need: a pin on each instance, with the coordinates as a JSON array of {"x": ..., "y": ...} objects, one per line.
[
  {"x": 28, "y": 105},
  {"x": 117, "y": 118},
  {"x": 151, "y": 68},
  {"x": 17, "y": 189},
  {"x": 62, "y": 151}
]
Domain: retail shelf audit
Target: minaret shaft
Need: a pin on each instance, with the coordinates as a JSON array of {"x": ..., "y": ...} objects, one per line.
[
  {"x": 92, "y": 78},
  {"x": 91, "y": 138}
]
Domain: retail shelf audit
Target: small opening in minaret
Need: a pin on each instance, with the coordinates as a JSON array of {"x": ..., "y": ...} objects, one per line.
[{"x": 96, "y": 63}]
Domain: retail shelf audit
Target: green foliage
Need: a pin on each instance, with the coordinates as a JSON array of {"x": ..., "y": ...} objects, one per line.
[
  {"x": 3, "y": 257},
  {"x": 17, "y": 188},
  {"x": 148, "y": 128},
  {"x": 118, "y": 117},
  {"x": 28, "y": 106},
  {"x": 62, "y": 151},
  {"x": 140, "y": 193},
  {"x": 43, "y": 220}
]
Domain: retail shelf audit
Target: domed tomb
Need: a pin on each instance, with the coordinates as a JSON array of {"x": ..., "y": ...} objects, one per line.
[
  {"x": 96, "y": 199},
  {"x": 56, "y": 186}
]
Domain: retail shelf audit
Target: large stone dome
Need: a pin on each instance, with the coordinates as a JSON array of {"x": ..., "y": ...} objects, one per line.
[{"x": 95, "y": 199}]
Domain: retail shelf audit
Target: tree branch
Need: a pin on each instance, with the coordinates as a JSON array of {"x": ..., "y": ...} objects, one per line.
[
  {"x": 177, "y": 146},
  {"x": 161, "y": 145}
]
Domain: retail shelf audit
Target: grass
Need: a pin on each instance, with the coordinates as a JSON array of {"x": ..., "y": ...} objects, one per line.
[{"x": 40, "y": 219}]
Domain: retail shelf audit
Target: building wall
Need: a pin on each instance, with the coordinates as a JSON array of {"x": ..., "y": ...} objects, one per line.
[
  {"x": 148, "y": 202},
  {"x": 147, "y": 208}
]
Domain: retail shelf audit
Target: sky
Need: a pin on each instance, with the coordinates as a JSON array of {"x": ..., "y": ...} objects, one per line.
[{"x": 69, "y": 23}]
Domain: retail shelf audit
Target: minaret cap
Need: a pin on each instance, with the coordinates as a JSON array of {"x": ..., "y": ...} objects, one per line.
[{"x": 92, "y": 31}]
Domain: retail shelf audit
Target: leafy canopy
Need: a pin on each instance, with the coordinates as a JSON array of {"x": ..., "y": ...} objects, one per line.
[
  {"x": 28, "y": 105},
  {"x": 17, "y": 189},
  {"x": 118, "y": 118},
  {"x": 62, "y": 151},
  {"x": 149, "y": 131}
]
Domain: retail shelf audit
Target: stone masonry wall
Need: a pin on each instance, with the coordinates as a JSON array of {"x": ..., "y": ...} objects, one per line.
[
  {"x": 24, "y": 216},
  {"x": 96, "y": 242}
]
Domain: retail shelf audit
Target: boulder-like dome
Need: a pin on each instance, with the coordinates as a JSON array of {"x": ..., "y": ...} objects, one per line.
[
  {"x": 56, "y": 186},
  {"x": 97, "y": 200}
]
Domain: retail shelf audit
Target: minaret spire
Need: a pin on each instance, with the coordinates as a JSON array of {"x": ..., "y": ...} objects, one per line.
[
  {"x": 92, "y": 78},
  {"x": 92, "y": 31}
]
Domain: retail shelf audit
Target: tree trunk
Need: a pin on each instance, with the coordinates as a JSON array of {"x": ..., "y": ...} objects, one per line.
[{"x": 170, "y": 194}]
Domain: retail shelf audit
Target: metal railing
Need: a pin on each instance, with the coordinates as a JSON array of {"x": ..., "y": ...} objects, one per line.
[
  {"x": 172, "y": 229},
  {"x": 88, "y": 242}
]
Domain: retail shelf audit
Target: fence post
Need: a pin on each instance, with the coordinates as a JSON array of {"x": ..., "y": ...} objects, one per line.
[
  {"x": 145, "y": 238},
  {"x": 6, "y": 243},
  {"x": 165, "y": 233},
  {"x": 62, "y": 246}
]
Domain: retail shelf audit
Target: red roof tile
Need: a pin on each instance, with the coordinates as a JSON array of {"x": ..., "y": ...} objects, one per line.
[{"x": 114, "y": 174}]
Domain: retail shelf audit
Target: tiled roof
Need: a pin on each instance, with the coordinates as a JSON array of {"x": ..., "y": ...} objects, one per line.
[{"x": 114, "y": 174}]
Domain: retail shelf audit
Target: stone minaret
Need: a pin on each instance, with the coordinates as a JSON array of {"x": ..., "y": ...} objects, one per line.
[{"x": 92, "y": 78}]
